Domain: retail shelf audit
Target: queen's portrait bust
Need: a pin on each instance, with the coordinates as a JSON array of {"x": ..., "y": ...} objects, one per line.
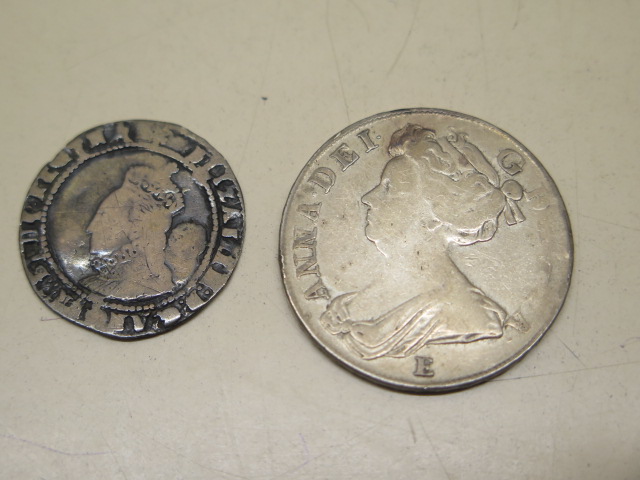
[
  {"x": 434, "y": 192},
  {"x": 136, "y": 251}
]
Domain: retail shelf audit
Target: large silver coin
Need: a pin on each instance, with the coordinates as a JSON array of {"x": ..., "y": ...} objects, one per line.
[
  {"x": 132, "y": 228},
  {"x": 426, "y": 250}
]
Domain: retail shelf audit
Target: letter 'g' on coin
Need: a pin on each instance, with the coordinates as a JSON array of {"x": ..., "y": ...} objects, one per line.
[{"x": 425, "y": 250}]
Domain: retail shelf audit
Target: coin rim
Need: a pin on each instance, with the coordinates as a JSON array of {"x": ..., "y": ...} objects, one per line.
[
  {"x": 468, "y": 380},
  {"x": 216, "y": 244}
]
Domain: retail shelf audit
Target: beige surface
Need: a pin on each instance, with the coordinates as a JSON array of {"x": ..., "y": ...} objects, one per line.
[{"x": 240, "y": 391}]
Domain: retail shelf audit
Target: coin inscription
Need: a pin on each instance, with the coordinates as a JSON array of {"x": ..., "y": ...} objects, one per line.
[
  {"x": 431, "y": 244},
  {"x": 132, "y": 228}
]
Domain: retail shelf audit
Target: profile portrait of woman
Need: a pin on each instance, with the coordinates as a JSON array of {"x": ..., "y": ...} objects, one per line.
[
  {"x": 135, "y": 251},
  {"x": 435, "y": 192}
]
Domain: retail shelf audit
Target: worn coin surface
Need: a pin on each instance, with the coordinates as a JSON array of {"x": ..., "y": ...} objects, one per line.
[
  {"x": 425, "y": 249},
  {"x": 132, "y": 228}
]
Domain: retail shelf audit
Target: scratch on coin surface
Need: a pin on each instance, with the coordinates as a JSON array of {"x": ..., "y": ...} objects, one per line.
[
  {"x": 406, "y": 40},
  {"x": 50, "y": 449},
  {"x": 335, "y": 59}
]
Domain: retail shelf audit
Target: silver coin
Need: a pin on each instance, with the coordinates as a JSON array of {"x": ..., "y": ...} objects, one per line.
[
  {"x": 132, "y": 228},
  {"x": 425, "y": 250}
]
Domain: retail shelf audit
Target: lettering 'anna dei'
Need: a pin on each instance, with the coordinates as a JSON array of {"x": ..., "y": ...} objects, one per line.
[{"x": 398, "y": 281}]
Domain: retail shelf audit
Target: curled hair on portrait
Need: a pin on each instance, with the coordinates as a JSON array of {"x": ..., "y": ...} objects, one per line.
[
  {"x": 408, "y": 135},
  {"x": 411, "y": 137},
  {"x": 153, "y": 187},
  {"x": 469, "y": 198}
]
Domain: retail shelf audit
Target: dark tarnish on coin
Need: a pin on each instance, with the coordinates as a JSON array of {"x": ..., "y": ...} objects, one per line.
[
  {"x": 132, "y": 228},
  {"x": 425, "y": 250}
]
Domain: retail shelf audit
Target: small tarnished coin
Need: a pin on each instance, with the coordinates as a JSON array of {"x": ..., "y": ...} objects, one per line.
[
  {"x": 424, "y": 249},
  {"x": 132, "y": 228}
]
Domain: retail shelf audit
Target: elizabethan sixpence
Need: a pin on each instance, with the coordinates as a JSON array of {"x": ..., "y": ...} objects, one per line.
[{"x": 132, "y": 228}]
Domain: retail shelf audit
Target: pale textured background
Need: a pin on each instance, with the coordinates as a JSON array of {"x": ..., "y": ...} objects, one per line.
[{"x": 240, "y": 392}]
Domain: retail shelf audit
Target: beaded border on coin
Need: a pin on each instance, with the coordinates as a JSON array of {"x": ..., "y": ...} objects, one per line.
[{"x": 147, "y": 315}]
